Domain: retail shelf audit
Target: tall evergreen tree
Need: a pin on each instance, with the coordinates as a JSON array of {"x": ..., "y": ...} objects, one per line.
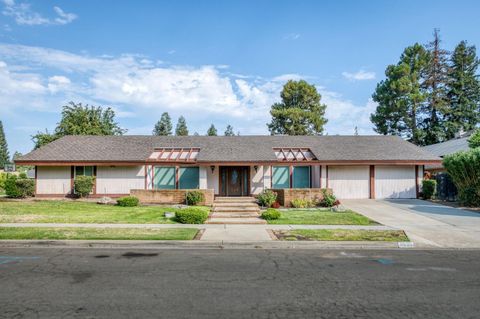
[
  {"x": 212, "y": 131},
  {"x": 4, "y": 155},
  {"x": 400, "y": 97},
  {"x": 435, "y": 84},
  {"x": 163, "y": 126},
  {"x": 181, "y": 128},
  {"x": 300, "y": 112},
  {"x": 229, "y": 131},
  {"x": 463, "y": 90}
]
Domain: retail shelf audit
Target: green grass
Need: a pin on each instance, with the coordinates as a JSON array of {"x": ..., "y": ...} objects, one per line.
[
  {"x": 81, "y": 212},
  {"x": 97, "y": 233},
  {"x": 342, "y": 235},
  {"x": 321, "y": 217}
]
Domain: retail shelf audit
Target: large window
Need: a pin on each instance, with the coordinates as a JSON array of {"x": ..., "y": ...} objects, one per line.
[
  {"x": 280, "y": 177},
  {"x": 301, "y": 177},
  {"x": 164, "y": 177},
  {"x": 83, "y": 170},
  {"x": 188, "y": 178}
]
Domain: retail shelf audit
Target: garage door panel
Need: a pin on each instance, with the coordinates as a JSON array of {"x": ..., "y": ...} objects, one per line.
[
  {"x": 349, "y": 182},
  {"x": 395, "y": 182}
]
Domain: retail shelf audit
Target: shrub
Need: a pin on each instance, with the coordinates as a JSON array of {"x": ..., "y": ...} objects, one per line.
[
  {"x": 267, "y": 198},
  {"x": 22, "y": 175},
  {"x": 3, "y": 179},
  {"x": 271, "y": 214},
  {"x": 474, "y": 140},
  {"x": 128, "y": 201},
  {"x": 83, "y": 185},
  {"x": 328, "y": 199},
  {"x": 276, "y": 205},
  {"x": 19, "y": 187},
  {"x": 191, "y": 215},
  {"x": 194, "y": 197},
  {"x": 302, "y": 203},
  {"x": 464, "y": 169},
  {"x": 429, "y": 188}
]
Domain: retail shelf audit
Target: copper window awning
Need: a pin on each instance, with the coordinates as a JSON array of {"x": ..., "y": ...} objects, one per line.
[{"x": 294, "y": 154}]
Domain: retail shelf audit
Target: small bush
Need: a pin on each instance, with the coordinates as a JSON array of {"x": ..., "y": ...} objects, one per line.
[
  {"x": 302, "y": 203},
  {"x": 429, "y": 188},
  {"x": 19, "y": 187},
  {"x": 276, "y": 205},
  {"x": 271, "y": 214},
  {"x": 128, "y": 201},
  {"x": 328, "y": 199},
  {"x": 191, "y": 215},
  {"x": 83, "y": 185},
  {"x": 194, "y": 197},
  {"x": 22, "y": 175},
  {"x": 267, "y": 198},
  {"x": 3, "y": 179}
]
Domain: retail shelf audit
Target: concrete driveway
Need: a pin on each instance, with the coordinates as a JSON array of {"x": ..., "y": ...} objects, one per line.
[{"x": 426, "y": 223}]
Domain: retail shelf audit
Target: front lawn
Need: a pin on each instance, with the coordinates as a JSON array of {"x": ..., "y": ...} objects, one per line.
[
  {"x": 48, "y": 211},
  {"x": 55, "y": 233},
  {"x": 342, "y": 235},
  {"x": 321, "y": 216}
]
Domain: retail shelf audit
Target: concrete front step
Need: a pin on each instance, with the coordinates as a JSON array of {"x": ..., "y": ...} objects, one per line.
[
  {"x": 235, "y": 199},
  {"x": 251, "y": 220},
  {"x": 229, "y": 204},
  {"x": 235, "y": 209},
  {"x": 234, "y": 215}
]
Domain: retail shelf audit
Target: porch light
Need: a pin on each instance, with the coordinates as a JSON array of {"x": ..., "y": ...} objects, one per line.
[
  {"x": 255, "y": 167},
  {"x": 212, "y": 167}
]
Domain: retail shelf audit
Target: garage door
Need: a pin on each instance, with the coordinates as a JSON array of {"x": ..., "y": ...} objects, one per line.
[
  {"x": 349, "y": 181},
  {"x": 395, "y": 182}
]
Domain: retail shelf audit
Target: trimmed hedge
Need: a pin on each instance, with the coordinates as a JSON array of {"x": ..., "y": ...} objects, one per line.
[
  {"x": 429, "y": 188},
  {"x": 302, "y": 203},
  {"x": 83, "y": 185},
  {"x": 19, "y": 187},
  {"x": 464, "y": 169},
  {"x": 194, "y": 197},
  {"x": 191, "y": 215},
  {"x": 128, "y": 201},
  {"x": 271, "y": 214}
]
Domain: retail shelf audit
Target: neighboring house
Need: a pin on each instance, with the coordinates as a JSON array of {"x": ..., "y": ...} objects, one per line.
[{"x": 352, "y": 166}]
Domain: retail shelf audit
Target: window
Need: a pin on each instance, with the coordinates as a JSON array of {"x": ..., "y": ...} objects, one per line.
[
  {"x": 280, "y": 177},
  {"x": 164, "y": 177},
  {"x": 301, "y": 177},
  {"x": 83, "y": 170},
  {"x": 188, "y": 178}
]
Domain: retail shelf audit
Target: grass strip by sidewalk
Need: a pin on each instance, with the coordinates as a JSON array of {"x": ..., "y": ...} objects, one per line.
[
  {"x": 321, "y": 216},
  {"x": 97, "y": 233},
  {"x": 342, "y": 235}
]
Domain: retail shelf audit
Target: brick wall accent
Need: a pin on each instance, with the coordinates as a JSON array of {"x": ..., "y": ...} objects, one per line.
[
  {"x": 285, "y": 195},
  {"x": 170, "y": 196}
]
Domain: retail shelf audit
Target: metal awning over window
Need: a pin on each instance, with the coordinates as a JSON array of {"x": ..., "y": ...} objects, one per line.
[
  {"x": 294, "y": 154},
  {"x": 174, "y": 155}
]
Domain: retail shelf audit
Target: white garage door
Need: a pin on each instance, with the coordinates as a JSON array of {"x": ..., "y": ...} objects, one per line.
[
  {"x": 395, "y": 182},
  {"x": 349, "y": 181}
]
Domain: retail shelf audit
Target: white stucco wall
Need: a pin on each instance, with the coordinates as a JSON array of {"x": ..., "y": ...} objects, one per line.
[
  {"x": 257, "y": 184},
  {"x": 53, "y": 180},
  {"x": 203, "y": 173},
  {"x": 349, "y": 182},
  {"x": 213, "y": 179},
  {"x": 395, "y": 182},
  {"x": 323, "y": 176},
  {"x": 119, "y": 179}
]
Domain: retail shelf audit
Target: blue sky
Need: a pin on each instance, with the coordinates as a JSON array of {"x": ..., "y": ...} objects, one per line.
[{"x": 221, "y": 62}]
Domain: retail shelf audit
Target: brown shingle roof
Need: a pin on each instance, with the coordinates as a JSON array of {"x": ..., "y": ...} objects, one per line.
[{"x": 228, "y": 148}]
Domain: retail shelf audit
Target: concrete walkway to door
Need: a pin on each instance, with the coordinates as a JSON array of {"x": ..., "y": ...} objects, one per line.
[{"x": 426, "y": 223}]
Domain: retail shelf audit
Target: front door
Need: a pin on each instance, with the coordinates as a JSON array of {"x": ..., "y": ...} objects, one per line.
[{"x": 234, "y": 180}]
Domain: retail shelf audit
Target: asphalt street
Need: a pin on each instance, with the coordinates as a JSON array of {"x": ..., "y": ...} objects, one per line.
[{"x": 255, "y": 283}]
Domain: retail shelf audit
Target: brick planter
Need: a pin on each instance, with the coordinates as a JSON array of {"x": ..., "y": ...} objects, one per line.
[
  {"x": 170, "y": 196},
  {"x": 286, "y": 195}
]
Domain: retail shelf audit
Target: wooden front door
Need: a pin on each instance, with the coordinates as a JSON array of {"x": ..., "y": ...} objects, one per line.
[{"x": 234, "y": 180}]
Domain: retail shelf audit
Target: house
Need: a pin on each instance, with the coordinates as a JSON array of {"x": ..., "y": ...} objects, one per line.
[
  {"x": 162, "y": 167},
  {"x": 458, "y": 144}
]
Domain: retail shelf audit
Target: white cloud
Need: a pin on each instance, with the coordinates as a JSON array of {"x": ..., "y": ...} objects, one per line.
[
  {"x": 23, "y": 14},
  {"x": 42, "y": 79},
  {"x": 359, "y": 76},
  {"x": 291, "y": 36}
]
